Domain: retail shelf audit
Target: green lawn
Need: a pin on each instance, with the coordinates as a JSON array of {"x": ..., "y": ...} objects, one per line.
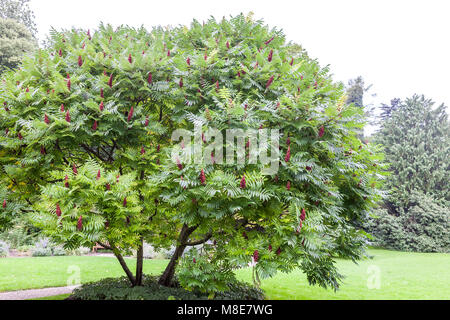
[{"x": 402, "y": 276}]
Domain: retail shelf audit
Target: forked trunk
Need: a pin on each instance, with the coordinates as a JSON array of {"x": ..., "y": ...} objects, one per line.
[{"x": 169, "y": 272}]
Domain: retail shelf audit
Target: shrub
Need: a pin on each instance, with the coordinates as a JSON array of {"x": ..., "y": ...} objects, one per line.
[
  {"x": 41, "y": 252},
  {"x": 4, "y": 249},
  {"x": 119, "y": 289},
  {"x": 419, "y": 224}
]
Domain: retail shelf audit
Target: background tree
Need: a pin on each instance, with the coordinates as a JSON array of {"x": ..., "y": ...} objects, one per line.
[
  {"x": 19, "y": 10},
  {"x": 15, "y": 41},
  {"x": 87, "y": 145},
  {"x": 415, "y": 136}
]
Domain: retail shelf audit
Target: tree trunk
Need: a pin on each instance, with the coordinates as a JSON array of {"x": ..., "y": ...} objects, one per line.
[
  {"x": 139, "y": 264},
  {"x": 167, "y": 276},
  {"x": 124, "y": 265}
]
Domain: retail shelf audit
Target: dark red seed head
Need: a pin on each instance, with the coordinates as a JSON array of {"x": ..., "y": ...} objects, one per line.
[
  {"x": 179, "y": 165},
  {"x": 149, "y": 80},
  {"x": 288, "y": 185},
  {"x": 43, "y": 151},
  {"x": 228, "y": 45},
  {"x": 244, "y": 234},
  {"x": 95, "y": 125},
  {"x": 269, "y": 41},
  {"x": 58, "y": 210},
  {"x": 269, "y": 82},
  {"x": 202, "y": 177},
  {"x": 321, "y": 131},
  {"x": 74, "y": 169},
  {"x": 288, "y": 155},
  {"x": 292, "y": 62},
  {"x": 80, "y": 223},
  {"x": 62, "y": 107},
  {"x": 278, "y": 252},
  {"x": 98, "y": 175},
  {"x": 101, "y": 93},
  {"x": 188, "y": 61},
  {"x": 68, "y": 116},
  {"x": 60, "y": 52},
  {"x": 125, "y": 202},
  {"x": 270, "y": 247},
  {"x": 110, "y": 81},
  {"x": 130, "y": 114},
  {"x": 256, "y": 255},
  {"x": 46, "y": 120},
  {"x": 130, "y": 59},
  {"x": 269, "y": 58},
  {"x": 4, "y": 204},
  {"x": 181, "y": 83},
  {"x": 108, "y": 186},
  {"x": 243, "y": 182},
  {"x": 80, "y": 61},
  {"x": 101, "y": 106},
  {"x": 142, "y": 151},
  {"x": 303, "y": 215}
]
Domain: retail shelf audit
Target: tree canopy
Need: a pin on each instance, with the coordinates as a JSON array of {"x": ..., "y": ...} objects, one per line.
[{"x": 87, "y": 146}]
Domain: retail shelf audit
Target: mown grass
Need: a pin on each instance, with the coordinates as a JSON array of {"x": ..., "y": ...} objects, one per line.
[{"x": 403, "y": 275}]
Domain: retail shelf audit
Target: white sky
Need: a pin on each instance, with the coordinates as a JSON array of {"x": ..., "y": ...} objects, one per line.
[{"x": 401, "y": 47}]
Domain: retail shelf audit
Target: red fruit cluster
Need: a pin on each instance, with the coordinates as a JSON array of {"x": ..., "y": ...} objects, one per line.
[
  {"x": 98, "y": 175},
  {"x": 74, "y": 169},
  {"x": 80, "y": 61},
  {"x": 142, "y": 151},
  {"x": 243, "y": 182},
  {"x": 256, "y": 255},
  {"x": 4, "y": 204},
  {"x": 188, "y": 61},
  {"x": 292, "y": 62},
  {"x": 202, "y": 177},
  {"x": 269, "y": 58},
  {"x": 130, "y": 59},
  {"x": 62, "y": 107},
  {"x": 303, "y": 215},
  {"x": 269, "y": 41},
  {"x": 80, "y": 223},
  {"x": 288, "y": 155},
  {"x": 288, "y": 185},
  {"x": 110, "y": 81},
  {"x": 181, "y": 83},
  {"x": 179, "y": 165},
  {"x": 130, "y": 114},
  {"x": 46, "y": 120},
  {"x": 69, "y": 83},
  {"x": 58, "y": 210},
  {"x": 95, "y": 125},
  {"x": 125, "y": 202},
  {"x": 66, "y": 179},
  {"x": 149, "y": 80},
  {"x": 321, "y": 131},
  {"x": 269, "y": 82},
  {"x": 102, "y": 106},
  {"x": 68, "y": 116},
  {"x": 278, "y": 252}
]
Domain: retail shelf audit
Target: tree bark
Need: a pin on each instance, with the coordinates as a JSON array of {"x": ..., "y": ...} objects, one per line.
[
  {"x": 139, "y": 264},
  {"x": 123, "y": 264},
  {"x": 169, "y": 272}
]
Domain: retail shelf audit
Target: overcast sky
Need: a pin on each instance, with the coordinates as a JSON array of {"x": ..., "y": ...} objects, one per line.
[{"x": 400, "y": 47}]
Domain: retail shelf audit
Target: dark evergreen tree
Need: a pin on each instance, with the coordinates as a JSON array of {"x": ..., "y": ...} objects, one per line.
[
  {"x": 416, "y": 215},
  {"x": 417, "y": 146}
]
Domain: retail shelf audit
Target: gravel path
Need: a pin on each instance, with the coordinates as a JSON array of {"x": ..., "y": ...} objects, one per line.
[{"x": 35, "y": 293}]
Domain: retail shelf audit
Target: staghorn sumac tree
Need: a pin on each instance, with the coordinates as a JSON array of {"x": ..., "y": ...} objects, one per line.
[{"x": 89, "y": 142}]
